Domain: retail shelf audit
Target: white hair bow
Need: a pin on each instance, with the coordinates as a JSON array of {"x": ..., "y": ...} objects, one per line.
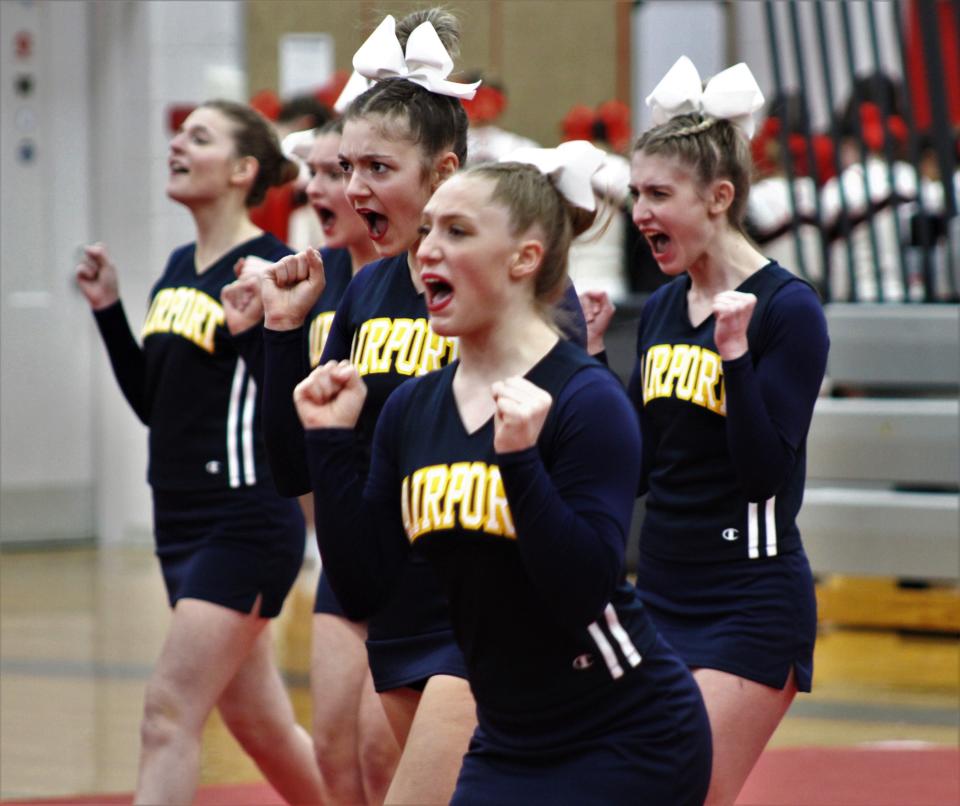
[
  {"x": 296, "y": 147},
  {"x": 730, "y": 95},
  {"x": 426, "y": 61},
  {"x": 571, "y": 166},
  {"x": 356, "y": 85}
]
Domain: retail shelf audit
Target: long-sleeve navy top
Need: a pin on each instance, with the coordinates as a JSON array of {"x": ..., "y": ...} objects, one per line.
[
  {"x": 529, "y": 545},
  {"x": 188, "y": 382},
  {"x": 382, "y": 326},
  {"x": 725, "y": 441}
]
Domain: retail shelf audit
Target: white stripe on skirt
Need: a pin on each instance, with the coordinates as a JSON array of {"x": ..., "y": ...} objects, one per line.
[
  {"x": 246, "y": 436},
  {"x": 753, "y": 532},
  {"x": 616, "y": 670},
  {"x": 622, "y": 637},
  {"x": 771, "y": 523}
]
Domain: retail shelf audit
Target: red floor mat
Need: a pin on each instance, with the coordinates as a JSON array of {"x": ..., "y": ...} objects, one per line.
[
  {"x": 855, "y": 776},
  {"x": 814, "y": 776},
  {"x": 218, "y": 795}
]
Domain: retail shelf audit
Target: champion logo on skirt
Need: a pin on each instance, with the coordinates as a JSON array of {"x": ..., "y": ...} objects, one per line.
[{"x": 584, "y": 661}]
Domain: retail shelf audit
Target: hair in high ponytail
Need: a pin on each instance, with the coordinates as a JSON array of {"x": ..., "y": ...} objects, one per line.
[
  {"x": 437, "y": 123},
  {"x": 713, "y": 148},
  {"x": 533, "y": 201}
]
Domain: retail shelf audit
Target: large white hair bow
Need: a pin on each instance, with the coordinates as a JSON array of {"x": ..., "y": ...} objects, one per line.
[
  {"x": 571, "y": 167},
  {"x": 356, "y": 85},
  {"x": 730, "y": 95},
  {"x": 426, "y": 61}
]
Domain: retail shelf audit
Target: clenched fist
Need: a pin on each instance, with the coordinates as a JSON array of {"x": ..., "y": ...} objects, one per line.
[
  {"x": 290, "y": 288},
  {"x": 732, "y": 311},
  {"x": 522, "y": 408},
  {"x": 331, "y": 396},
  {"x": 97, "y": 277}
]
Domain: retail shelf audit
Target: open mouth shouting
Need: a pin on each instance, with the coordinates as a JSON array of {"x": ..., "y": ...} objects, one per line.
[
  {"x": 659, "y": 242},
  {"x": 439, "y": 292},
  {"x": 377, "y": 223},
  {"x": 328, "y": 218}
]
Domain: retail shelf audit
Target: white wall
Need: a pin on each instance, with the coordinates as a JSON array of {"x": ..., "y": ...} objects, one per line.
[
  {"x": 45, "y": 393},
  {"x": 665, "y": 30},
  {"x": 73, "y": 454}
]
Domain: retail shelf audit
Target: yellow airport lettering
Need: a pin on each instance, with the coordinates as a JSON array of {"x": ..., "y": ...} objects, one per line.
[
  {"x": 499, "y": 520},
  {"x": 658, "y": 359},
  {"x": 407, "y": 346},
  {"x": 373, "y": 335},
  {"x": 434, "y": 486},
  {"x": 710, "y": 370},
  {"x": 687, "y": 378},
  {"x": 439, "y": 497},
  {"x": 186, "y": 312},
  {"x": 684, "y": 371},
  {"x": 317, "y": 338},
  {"x": 409, "y": 352}
]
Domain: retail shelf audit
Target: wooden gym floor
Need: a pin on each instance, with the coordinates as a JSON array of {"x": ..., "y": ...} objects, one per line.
[{"x": 80, "y": 629}]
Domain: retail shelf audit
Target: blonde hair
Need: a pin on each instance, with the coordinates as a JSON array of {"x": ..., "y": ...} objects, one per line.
[
  {"x": 532, "y": 200},
  {"x": 713, "y": 148}
]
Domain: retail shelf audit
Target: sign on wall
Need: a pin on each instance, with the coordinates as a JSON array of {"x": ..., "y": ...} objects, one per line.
[{"x": 306, "y": 63}]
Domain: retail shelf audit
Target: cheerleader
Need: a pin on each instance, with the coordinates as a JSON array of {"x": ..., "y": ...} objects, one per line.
[
  {"x": 730, "y": 357},
  {"x": 229, "y": 546},
  {"x": 512, "y": 472},
  {"x": 355, "y": 748}
]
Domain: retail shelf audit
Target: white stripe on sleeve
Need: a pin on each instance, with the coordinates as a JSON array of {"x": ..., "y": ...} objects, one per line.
[
  {"x": 233, "y": 415},
  {"x": 246, "y": 435}
]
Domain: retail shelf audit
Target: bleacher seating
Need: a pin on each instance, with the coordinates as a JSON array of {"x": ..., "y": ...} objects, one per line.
[{"x": 884, "y": 459}]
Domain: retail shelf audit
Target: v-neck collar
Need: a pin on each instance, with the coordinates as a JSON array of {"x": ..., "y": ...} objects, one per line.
[
  {"x": 240, "y": 246},
  {"x": 743, "y": 286},
  {"x": 488, "y": 423}
]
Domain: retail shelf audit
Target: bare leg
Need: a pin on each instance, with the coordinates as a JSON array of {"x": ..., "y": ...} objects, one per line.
[
  {"x": 400, "y": 706},
  {"x": 379, "y": 749},
  {"x": 436, "y": 742},
  {"x": 743, "y": 716},
  {"x": 354, "y": 747},
  {"x": 256, "y": 708},
  {"x": 204, "y": 647}
]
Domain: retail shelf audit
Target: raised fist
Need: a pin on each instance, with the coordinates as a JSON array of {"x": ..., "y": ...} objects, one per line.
[{"x": 97, "y": 277}]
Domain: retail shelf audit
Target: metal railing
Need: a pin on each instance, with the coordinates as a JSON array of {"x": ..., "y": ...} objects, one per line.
[{"x": 868, "y": 207}]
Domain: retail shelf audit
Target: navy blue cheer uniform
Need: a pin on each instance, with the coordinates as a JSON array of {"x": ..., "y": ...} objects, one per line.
[
  {"x": 722, "y": 570},
  {"x": 338, "y": 271},
  {"x": 578, "y": 700},
  {"x": 382, "y": 326},
  {"x": 223, "y": 534}
]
